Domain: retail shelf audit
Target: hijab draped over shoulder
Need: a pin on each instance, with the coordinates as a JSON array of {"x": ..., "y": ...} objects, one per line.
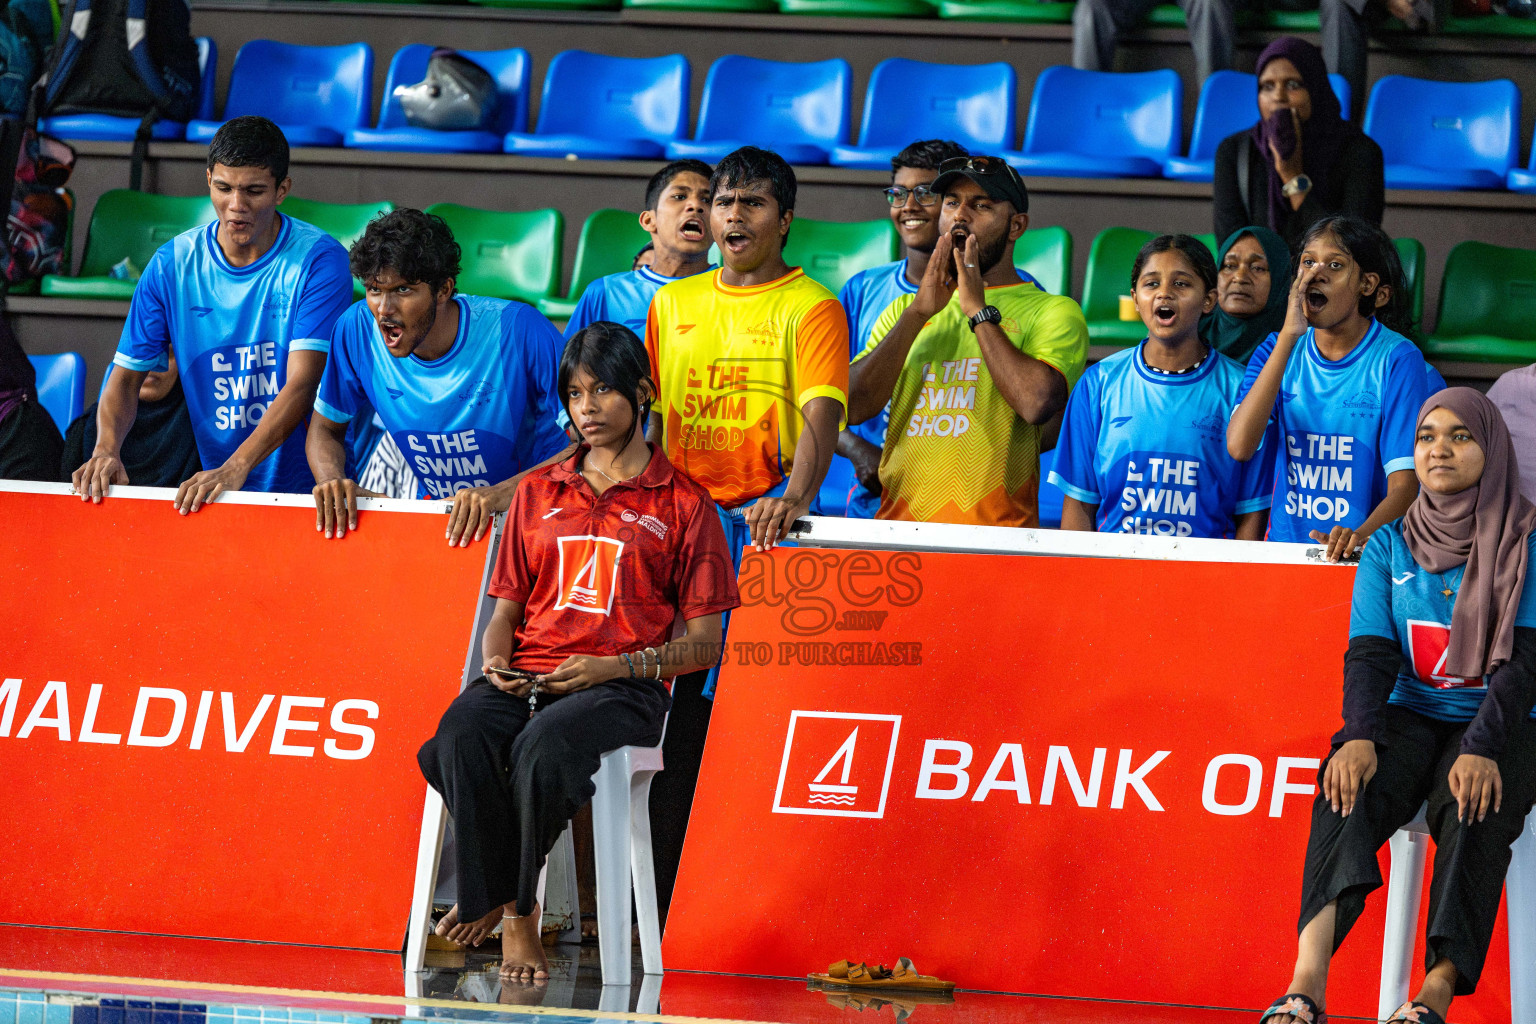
[{"x": 1486, "y": 528}]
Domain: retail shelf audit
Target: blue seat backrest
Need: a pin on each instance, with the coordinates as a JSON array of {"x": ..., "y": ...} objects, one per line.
[
  {"x": 619, "y": 97},
  {"x": 1105, "y": 113},
  {"x": 512, "y": 69},
  {"x": 208, "y": 65},
  {"x": 1228, "y": 104},
  {"x": 972, "y": 104},
  {"x": 61, "y": 386},
  {"x": 781, "y": 101},
  {"x": 1051, "y": 499},
  {"x": 327, "y": 86},
  {"x": 1341, "y": 90},
  {"x": 1445, "y": 124}
]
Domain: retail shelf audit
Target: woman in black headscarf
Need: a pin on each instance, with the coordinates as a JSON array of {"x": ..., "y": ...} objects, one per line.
[
  {"x": 1302, "y": 161},
  {"x": 159, "y": 450}
]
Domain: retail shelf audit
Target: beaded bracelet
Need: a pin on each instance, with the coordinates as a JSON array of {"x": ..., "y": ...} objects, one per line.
[{"x": 628, "y": 661}]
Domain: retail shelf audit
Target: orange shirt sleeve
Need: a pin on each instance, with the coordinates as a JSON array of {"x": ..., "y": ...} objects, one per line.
[{"x": 821, "y": 355}]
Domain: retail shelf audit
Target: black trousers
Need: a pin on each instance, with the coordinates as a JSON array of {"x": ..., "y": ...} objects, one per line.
[
  {"x": 512, "y": 782},
  {"x": 30, "y": 444},
  {"x": 1414, "y": 759}
]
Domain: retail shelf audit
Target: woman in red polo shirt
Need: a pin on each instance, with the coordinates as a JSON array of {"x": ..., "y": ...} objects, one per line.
[{"x": 601, "y": 554}]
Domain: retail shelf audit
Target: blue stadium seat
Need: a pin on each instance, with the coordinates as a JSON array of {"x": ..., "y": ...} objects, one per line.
[
  {"x": 314, "y": 93},
  {"x": 1445, "y": 135},
  {"x": 1101, "y": 124},
  {"x": 512, "y": 70},
  {"x": 1228, "y": 104},
  {"x": 608, "y": 108},
  {"x": 61, "y": 386},
  {"x": 909, "y": 100},
  {"x": 1523, "y": 179},
  {"x": 107, "y": 128},
  {"x": 1051, "y": 496},
  {"x": 798, "y": 110}
]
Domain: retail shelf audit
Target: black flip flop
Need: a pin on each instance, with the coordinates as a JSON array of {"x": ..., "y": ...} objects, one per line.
[
  {"x": 1300, "y": 1007},
  {"x": 1415, "y": 1013}
]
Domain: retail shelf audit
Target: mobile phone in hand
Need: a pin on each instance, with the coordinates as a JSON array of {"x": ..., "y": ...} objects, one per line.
[{"x": 522, "y": 675}]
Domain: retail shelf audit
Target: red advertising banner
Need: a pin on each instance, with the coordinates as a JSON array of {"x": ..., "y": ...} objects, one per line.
[
  {"x": 208, "y": 724},
  {"x": 1084, "y": 777}
]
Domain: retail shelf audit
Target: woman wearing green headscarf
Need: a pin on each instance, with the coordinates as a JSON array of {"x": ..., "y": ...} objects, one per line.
[{"x": 1252, "y": 281}]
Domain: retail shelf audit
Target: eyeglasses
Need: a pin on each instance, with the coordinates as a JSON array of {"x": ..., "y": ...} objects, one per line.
[{"x": 896, "y": 195}]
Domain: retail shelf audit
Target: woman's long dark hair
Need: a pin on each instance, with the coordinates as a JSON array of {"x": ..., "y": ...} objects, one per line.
[
  {"x": 1373, "y": 250},
  {"x": 611, "y": 353}
]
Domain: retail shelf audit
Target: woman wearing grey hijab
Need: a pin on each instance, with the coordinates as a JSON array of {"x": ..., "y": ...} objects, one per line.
[{"x": 1439, "y": 687}]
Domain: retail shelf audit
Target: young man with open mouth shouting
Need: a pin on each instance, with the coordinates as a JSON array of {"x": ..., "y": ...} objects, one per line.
[
  {"x": 676, "y": 216},
  {"x": 465, "y": 384}
]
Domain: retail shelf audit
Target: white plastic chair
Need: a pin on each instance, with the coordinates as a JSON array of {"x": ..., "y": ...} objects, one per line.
[
  {"x": 1405, "y": 887},
  {"x": 621, "y": 831}
]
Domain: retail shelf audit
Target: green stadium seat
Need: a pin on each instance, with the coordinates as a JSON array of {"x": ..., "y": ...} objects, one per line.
[
  {"x": 1291, "y": 21},
  {"x": 1172, "y": 16},
  {"x": 1411, "y": 252},
  {"x": 1036, "y": 12},
  {"x": 126, "y": 225},
  {"x": 506, "y": 255},
  {"x": 1488, "y": 25},
  {"x": 556, "y": 5},
  {"x": 344, "y": 222},
  {"x": 1107, "y": 278},
  {"x": 831, "y": 252},
  {"x": 1487, "y": 306},
  {"x": 1046, "y": 255},
  {"x": 860, "y": 8},
  {"x": 1210, "y": 243},
  {"x": 713, "y": 6},
  {"x": 608, "y": 244}
]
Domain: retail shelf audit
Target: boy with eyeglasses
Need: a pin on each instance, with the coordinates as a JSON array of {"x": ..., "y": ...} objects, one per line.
[
  {"x": 914, "y": 210},
  {"x": 973, "y": 365}
]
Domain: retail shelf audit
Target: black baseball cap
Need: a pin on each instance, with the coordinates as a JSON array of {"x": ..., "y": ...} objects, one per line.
[{"x": 992, "y": 173}]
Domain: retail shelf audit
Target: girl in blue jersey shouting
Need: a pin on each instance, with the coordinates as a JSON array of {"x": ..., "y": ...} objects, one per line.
[
  {"x": 1341, "y": 383},
  {"x": 1439, "y": 685},
  {"x": 1143, "y": 447}
]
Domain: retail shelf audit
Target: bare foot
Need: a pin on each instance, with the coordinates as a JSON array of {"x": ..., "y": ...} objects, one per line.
[
  {"x": 588, "y": 927},
  {"x": 522, "y": 950},
  {"x": 471, "y": 934}
]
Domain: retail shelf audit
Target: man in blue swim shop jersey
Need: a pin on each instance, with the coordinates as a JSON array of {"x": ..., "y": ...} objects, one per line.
[
  {"x": 676, "y": 216},
  {"x": 247, "y": 303},
  {"x": 464, "y": 384},
  {"x": 914, "y": 210}
]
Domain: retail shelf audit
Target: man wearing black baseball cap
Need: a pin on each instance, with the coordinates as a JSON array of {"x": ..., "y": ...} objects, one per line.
[{"x": 973, "y": 365}]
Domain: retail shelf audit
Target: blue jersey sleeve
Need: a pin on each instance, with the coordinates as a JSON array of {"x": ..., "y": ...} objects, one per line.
[
  {"x": 1405, "y": 391},
  {"x": 1256, "y": 366},
  {"x": 1370, "y": 611},
  {"x": 590, "y": 308},
  {"x": 1256, "y": 477},
  {"x": 341, "y": 395},
  {"x": 326, "y": 295},
  {"x": 540, "y": 434},
  {"x": 1525, "y": 612},
  {"x": 1075, "y": 472},
  {"x": 146, "y": 337},
  {"x": 851, "y": 298}
]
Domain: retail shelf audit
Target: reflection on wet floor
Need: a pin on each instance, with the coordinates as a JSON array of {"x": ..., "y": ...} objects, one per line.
[{"x": 575, "y": 982}]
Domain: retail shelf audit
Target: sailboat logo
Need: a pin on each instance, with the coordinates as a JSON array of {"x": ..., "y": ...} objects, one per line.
[
  {"x": 823, "y": 792},
  {"x": 837, "y": 763}
]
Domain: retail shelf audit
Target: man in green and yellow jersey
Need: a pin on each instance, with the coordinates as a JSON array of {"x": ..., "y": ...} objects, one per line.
[{"x": 974, "y": 364}]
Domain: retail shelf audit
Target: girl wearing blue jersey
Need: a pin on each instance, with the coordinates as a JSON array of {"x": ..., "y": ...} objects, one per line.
[
  {"x": 1142, "y": 447},
  {"x": 1439, "y": 687},
  {"x": 1340, "y": 383}
]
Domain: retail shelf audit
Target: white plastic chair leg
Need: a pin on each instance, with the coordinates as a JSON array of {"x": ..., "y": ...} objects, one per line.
[
  {"x": 1405, "y": 889},
  {"x": 561, "y": 900},
  {"x": 614, "y": 999},
  {"x": 434, "y": 818},
  {"x": 643, "y": 870},
  {"x": 611, "y": 845},
  {"x": 1520, "y": 888},
  {"x": 649, "y": 1002}
]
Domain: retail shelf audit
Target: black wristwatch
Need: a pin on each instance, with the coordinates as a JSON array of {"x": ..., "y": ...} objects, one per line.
[{"x": 985, "y": 315}]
